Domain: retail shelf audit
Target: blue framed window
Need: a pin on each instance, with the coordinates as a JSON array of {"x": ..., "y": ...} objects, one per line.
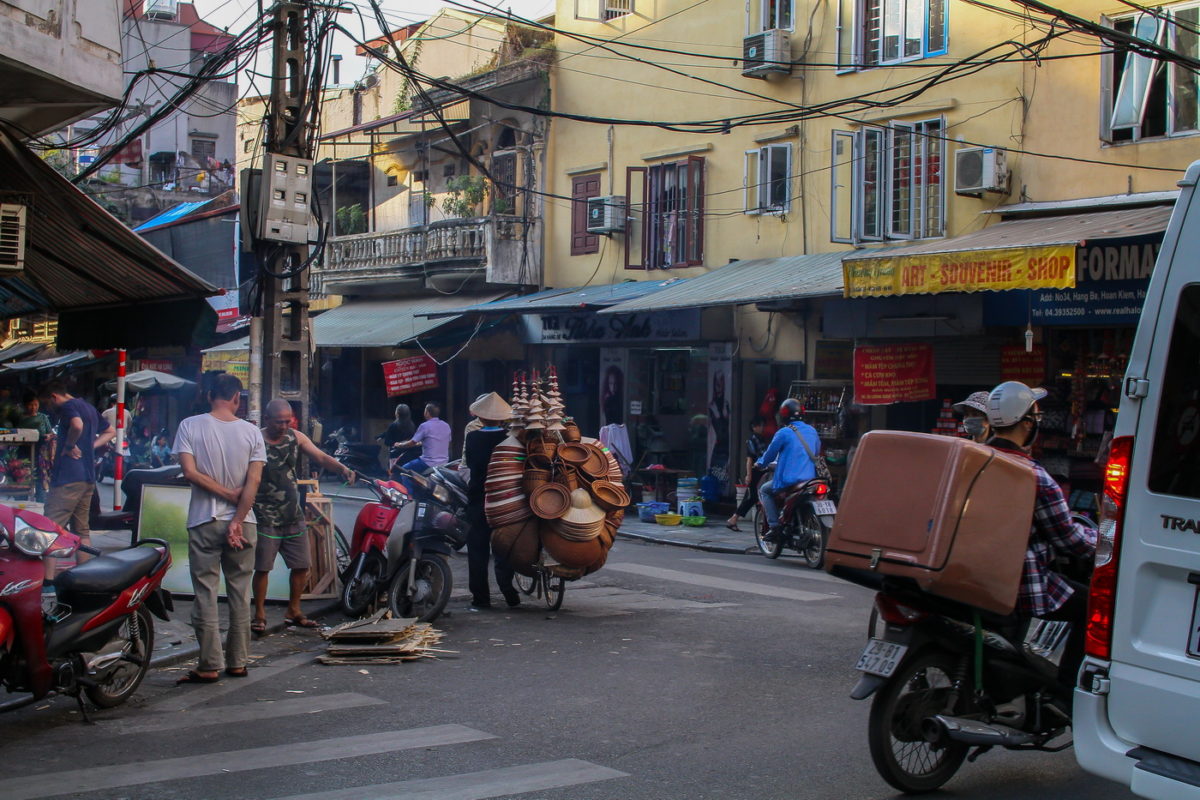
[{"x": 874, "y": 33}]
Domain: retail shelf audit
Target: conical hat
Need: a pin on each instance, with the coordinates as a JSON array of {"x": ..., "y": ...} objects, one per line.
[
  {"x": 583, "y": 511},
  {"x": 491, "y": 407}
]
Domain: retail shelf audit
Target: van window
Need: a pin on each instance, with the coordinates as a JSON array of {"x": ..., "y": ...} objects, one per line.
[{"x": 1175, "y": 462}]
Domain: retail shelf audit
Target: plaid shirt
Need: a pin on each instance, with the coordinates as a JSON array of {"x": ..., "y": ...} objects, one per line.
[{"x": 1042, "y": 590}]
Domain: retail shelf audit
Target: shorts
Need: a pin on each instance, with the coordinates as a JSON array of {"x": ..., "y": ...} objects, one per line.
[{"x": 290, "y": 540}]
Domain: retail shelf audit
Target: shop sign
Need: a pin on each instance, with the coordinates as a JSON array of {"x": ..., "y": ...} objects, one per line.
[
  {"x": 611, "y": 329},
  {"x": 1049, "y": 267},
  {"x": 235, "y": 362},
  {"x": 1111, "y": 277},
  {"x": 158, "y": 365},
  {"x": 894, "y": 373},
  {"x": 226, "y": 305},
  {"x": 834, "y": 360},
  {"x": 1018, "y": 365},
  {"x": 409, "y": 375}
]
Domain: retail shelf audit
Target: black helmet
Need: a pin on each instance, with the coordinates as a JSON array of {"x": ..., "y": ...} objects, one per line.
[{"x": 789, "y": 410}]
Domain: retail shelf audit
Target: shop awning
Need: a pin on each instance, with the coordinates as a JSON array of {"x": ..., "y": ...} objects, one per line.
[
  {"x": 45, "y": 363},
  {"x": 577, "y": 298},
  {"x": 19, "y": 350},
  {"x": 109, "y": 287},
  {"x": 384, "y": 323},
  {"x": 757, "y": 280},
  {"x": 1015, "y": 254}
]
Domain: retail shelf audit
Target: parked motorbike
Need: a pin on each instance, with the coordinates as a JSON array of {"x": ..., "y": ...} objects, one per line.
[
  {"x": 99, "y": 637},
  {"x": 806, "y": 514},
  {"x": 362, "y": 457},
  {"x": 420, "y": 580},
  {"x": 126, "y": 519},
  {"x": 947, "y": 678}
]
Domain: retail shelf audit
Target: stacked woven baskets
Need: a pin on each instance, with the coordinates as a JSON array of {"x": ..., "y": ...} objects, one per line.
[{"x": 550, "y": 488}]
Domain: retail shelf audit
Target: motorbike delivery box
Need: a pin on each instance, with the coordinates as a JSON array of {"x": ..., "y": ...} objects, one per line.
[{"x": 950, "y": 514}]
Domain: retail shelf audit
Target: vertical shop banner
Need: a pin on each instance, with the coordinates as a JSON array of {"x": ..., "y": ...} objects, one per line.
[
  {"x": 894, "y": 373},
  {"x": 1017, "y": 365},
  {"x": 409, "y": 375},
  {"x": 614, "y": 361},
  {"x": 720, "y": 380}
]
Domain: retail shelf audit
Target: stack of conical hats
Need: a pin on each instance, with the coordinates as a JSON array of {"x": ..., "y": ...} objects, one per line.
[{"x": 572, "y": 498}]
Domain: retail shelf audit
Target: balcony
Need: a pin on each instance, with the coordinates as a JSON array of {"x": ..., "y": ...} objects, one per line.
[{"x": 443, "y": 255}]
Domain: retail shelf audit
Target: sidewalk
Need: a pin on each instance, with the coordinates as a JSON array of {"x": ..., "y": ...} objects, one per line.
[{"x": 713, "y": 537}]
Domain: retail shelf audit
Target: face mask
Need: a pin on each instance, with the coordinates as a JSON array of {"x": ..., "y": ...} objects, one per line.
[
  {"x": 975, "y": 426},
  {"x": 1033, "y": 433}
]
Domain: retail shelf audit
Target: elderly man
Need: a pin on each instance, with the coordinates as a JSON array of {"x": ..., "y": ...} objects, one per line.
[{"x": 281, "y": 525}]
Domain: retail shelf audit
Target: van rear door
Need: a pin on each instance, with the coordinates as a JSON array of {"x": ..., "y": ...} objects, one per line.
[{"x": 1154, "y": 700}]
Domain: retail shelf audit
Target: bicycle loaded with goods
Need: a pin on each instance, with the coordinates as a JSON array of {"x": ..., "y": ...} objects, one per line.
[{"x": 554, "y": 499}]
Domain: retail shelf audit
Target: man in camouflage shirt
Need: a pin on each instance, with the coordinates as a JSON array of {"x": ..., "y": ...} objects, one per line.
[{"x": 281, "y": 525}]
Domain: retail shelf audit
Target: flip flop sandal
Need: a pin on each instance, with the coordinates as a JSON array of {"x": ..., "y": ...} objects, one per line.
[
  {"x": 258, "y": 626},
  {"x": 236, "y": 672},
  {"x": 301, "y": 622},
  {"x": 733, "y": 526},
  {"x": 195, "y": 677}
]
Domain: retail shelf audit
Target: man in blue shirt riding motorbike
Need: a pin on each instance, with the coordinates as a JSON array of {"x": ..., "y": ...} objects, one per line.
[{"x": 793, "y": 464}]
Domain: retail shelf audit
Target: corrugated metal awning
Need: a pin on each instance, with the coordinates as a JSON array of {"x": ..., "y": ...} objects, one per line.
[
  {"x": 45, "y": 363},
  {"x": 756, "y": 280},
  {"x": 383, "y": 323},
  {"x": 19, "y": 349},
  {"x": 577, "y": 298}
]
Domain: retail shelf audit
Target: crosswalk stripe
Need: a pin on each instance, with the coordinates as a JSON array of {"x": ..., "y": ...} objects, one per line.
[
  {"x": 198, "y": 765},
  {"x": 782, "y": 570},
  {"x": 711, "y": 582},
  {"x": 479, "y": 785},
  {"x": 196, "y": 696},
  {"x": 249, "y": 712}
]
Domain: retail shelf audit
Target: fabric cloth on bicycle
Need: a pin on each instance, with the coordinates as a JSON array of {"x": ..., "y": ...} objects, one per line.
[
  {"x": 277, "y": 505},
  {"x": 792, "y": 462}
]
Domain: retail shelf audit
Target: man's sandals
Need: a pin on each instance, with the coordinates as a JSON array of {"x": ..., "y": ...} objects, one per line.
[
  {"x": 258, "y": 626},
  {"x": 301, "y": 621},
  {"x": 192, "y": 676}
]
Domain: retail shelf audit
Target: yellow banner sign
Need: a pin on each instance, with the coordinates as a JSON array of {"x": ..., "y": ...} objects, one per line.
[
  {"x": 235, "y": 362},
  {"x": 1049, "y": 267}
]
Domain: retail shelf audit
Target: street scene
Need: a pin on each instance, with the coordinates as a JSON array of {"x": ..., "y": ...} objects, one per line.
[{"x": 599, "y": 399}]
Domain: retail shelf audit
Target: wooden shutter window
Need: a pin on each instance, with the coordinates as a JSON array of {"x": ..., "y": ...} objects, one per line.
[
  {"x": 637, "y": 221},
  {"x": 583, "y": 187}
]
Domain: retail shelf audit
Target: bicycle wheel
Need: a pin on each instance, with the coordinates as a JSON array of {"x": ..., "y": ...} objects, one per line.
[
  {"x": 526, "y": 583},
  {"x": 555, "y": 587}
]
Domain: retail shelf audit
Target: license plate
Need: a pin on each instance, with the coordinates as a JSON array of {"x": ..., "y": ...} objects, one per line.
[
  {"x": 823, "y": 508},
  {"x": 881, "y": 658}
]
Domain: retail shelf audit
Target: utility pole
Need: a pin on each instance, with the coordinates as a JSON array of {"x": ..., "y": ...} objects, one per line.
[{"x": 283, "y": 350}]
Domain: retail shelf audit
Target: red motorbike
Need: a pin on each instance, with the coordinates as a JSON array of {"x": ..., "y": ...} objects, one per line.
[
  {"x": 366, "y": 576},
  {"x": 806, "y": 514},
  {"x": 98, "y": 639}
]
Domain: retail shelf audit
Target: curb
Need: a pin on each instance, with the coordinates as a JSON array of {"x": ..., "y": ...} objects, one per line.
[
  {"x": 708, "y": 547},
  {"x": 193, "y": 650}
]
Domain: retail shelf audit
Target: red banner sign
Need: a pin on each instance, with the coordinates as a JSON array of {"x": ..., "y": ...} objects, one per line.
[
  {"x": 158, "y": 364},
  {"x": 1017, "y": 365},
  {"x": 894, "y": 373},
  {"x": 409, "y": 375}
]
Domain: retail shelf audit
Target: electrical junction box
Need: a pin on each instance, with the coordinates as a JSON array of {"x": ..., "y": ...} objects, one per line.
[{"x": 285, "y": 199}]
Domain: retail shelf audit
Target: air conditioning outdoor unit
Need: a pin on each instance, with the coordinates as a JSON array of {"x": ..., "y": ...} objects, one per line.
[
  {"x": 766, "y": 53},
  {"x": 12, "y": 237},
  {"x": 980, "y": 169},
  {"x": 606, "y": 214},
  {"x": 166, "y": 10}
]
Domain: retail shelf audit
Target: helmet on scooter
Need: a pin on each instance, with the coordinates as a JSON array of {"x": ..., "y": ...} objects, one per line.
[
  {"x": 1009, "y": 402},
  {"x": 789, "y": 410}
]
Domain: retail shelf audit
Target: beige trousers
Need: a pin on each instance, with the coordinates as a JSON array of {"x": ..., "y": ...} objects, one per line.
[{"x": 209, "y": 554}]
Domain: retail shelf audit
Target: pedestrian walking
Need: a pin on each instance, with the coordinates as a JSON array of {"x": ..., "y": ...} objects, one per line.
[
  {"x": 281, "y": 526},
  {"x": 433, "y": 435},
  {"x": 400, "y": 430},
  {"x": 491, "y": 410},
  {"x": 974, "y": 412},
  {"x": 222, "y": 458},
  {"x": 756, "y": 445},
  {"x": 73, "y": 476}
]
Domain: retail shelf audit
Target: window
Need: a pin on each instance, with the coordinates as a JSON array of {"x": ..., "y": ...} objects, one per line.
[
  {"x": 1175, "y": 460},
  {"x": 776, "y": 14},
  {"x": 602, "y": 9},
  {"x": 888, "y": 183},
  {"x": 876, "y": 32},
  {"x": 583, "y": 187},
  {"x": 203, "y": 150},
  {"x": 616, "y": 8},
  {"x": 1145, "y": 97},
  {"x": 393, "y": 180},
  {"x": 666, "y": 202},
  {"x": 247, "y": 145},
  {"x": 768, "y": 179}
]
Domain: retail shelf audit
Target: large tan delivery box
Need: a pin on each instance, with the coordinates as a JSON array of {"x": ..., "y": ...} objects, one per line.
[{"x": 949, "y": 513}]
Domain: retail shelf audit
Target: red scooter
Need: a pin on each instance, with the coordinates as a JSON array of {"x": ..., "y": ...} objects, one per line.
[
  {"x": 98, "y": 639},
  {"x": 366, "y": 576}
]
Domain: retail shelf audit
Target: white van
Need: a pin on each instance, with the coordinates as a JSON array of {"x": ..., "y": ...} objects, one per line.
[{"x": 1137, "y": 708}]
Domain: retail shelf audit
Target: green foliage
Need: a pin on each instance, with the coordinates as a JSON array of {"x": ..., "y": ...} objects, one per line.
[
  {"x": 466, "y": 192},
  {"x": 351, "y": 220}
]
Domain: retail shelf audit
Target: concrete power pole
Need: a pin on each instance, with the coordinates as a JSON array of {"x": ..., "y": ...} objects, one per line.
[{"x": 282, "y": 348}]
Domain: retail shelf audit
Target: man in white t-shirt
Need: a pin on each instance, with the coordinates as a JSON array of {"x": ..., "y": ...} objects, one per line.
[{"x": 222, "y": 457}]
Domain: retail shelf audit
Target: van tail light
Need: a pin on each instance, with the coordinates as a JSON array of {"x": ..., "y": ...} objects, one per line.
[
  {"x": 1102, "y": 598},
  {"x": 895, "y": 612}
]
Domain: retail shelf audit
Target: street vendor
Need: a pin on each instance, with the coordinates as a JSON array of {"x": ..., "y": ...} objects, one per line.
[{"x": 491, "y": 411}]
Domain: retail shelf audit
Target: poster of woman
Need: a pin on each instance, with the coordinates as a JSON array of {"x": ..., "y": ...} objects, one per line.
[
  {"x": 720, "y": 375},
  {"x": 612, "y": 386}
]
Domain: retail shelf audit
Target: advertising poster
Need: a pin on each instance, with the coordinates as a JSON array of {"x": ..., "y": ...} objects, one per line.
[
  {"x": 1047, "y": 267},
  {"x": 720, "y": 379},
  {"x": 1017, "y": 365},
  {"x": 409, "y": 375},
  {"x": 894, "y": 373},
  {"x": 613, "y": 364}
]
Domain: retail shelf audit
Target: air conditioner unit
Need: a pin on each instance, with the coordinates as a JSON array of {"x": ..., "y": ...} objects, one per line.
[
  {"x": 606, "y": 214},
  {"x": 766, "y": 53},
  {"x": 980, "y": 169},
  {"x": 166, "y": 10},
  {"x": 12, "y": 237}
]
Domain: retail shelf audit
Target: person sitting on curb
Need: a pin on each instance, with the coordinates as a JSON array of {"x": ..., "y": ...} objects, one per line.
[{"x": 281, "y": 525}]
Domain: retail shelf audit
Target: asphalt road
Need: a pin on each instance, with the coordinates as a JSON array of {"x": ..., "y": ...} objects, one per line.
[{"x": 669, "y": 674}]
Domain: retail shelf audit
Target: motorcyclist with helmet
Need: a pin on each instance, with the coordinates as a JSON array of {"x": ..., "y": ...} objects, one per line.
[
  {"x": 1014, "y": 415},
  {"x": 793, "y": 464}
]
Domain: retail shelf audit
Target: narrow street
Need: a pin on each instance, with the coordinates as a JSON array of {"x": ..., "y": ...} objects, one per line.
[{"x": 671, "y": 673}]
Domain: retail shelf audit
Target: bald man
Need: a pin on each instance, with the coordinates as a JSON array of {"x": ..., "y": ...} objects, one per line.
[{"x": 281, "y": 526}]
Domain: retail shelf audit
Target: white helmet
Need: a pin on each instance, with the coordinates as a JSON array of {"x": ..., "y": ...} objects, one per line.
[{"x": 1009, "y": 402}]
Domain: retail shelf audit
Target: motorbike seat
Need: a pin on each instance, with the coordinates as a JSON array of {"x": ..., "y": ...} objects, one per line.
[
  {"x": 453, "y": 476},
  {"x": 110, "y": 520},
  {"x": 109, "y": 574}
]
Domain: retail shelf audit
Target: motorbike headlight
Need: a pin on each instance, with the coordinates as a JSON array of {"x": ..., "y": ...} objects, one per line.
[
  {"x": 395, "y": 496},
  {"x": 441, "y": 493},
  {"x": 30, "y": 541}
]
